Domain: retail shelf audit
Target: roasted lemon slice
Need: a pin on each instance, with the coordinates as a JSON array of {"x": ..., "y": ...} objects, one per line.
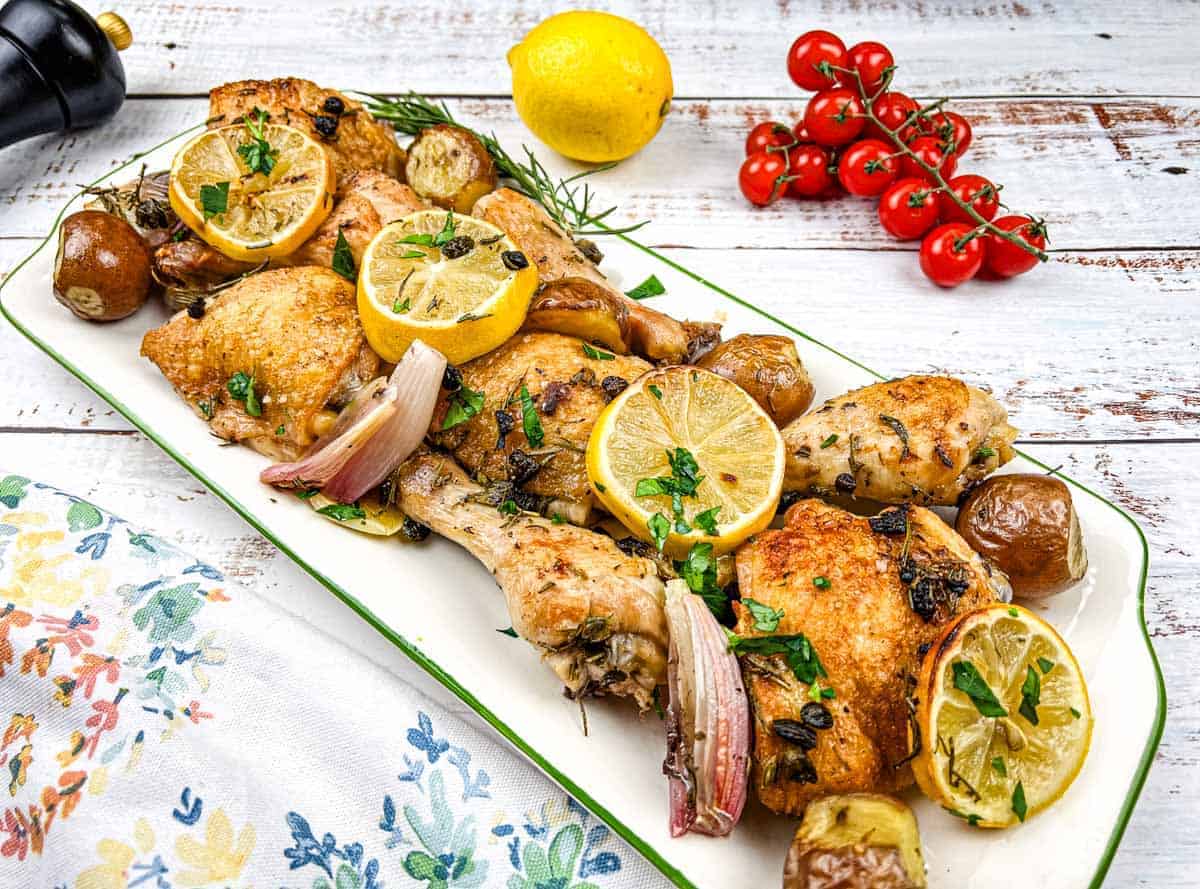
[
  {"x": 457, "y": 283},
  {"x": 1004, "y": 717},
  {"x": 252, "y": 213},
  {"x": 684, "y": 456}
]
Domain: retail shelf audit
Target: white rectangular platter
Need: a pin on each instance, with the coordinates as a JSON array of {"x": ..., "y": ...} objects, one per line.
[{"x": 443, "y": 609}]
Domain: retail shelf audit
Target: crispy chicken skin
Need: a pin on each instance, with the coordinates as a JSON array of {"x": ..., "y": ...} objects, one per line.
[
  {"x": 919, "y": 439},
  {"x": 571, "y": 283},
  {"x": 866, "y": 632},
  {"x": 358, "y": 143},
  {"x": 595, "y": 612},
  {"x": 295, "y": 331},
  {"x": 566, "y": 388}
]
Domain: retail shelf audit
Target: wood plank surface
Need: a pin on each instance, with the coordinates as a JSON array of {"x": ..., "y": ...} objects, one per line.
[
  {"x": 718, "y": 48},
  {"x": 1104, "y": 174}
]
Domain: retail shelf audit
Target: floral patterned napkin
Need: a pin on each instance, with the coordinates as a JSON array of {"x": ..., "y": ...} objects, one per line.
[{"x": 164, "y": 728}]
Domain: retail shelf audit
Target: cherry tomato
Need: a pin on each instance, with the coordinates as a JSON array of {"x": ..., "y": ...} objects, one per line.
[
  {"x": 761, "y": 175},
  {"x": 929, "y": 149},
  {"x": 867, "y": 168},
  {"x": 1005, "y": 259},
  {"x": 801, "y": 132},
  {"x": 954, "y": 130},
  {"x": 808, "y": 52},
  {"x": 908, "y": 209},
  {"x": 834, "y": 117},
  {"x": 809, "y": 165},
  {"x": 892, "y": 109},
  {"x": 768, "y": 134},
  {"x": 871, "y": 60},
  {"x": 946, "y": 264},
  {"x": 977, "y": 191}
]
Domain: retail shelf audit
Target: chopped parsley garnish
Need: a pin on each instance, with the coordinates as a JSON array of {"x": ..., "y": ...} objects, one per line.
[
  {"x": 279, "y": 430},
  {"x": 1076, "y": 713},
  {"x": 682, "y": 482},
  {"x": 699, "y": 572},
  {"x": 707, "y": 521},
  {"x": 1045, "y": 665},
  {"x": 766, "y": 618},
  {"x": 401, "y": 305},
  {"x": 972, "y": 820},
  {"x": 600, "y": 488},
  {"x": 1018, "y": 802},
  {"x": 650, "y": 287},
  {"x": 307, "y": 495},
  {"x": 557, "y": 518},
  {"x": 412, "y": 254},
  {"x": 464, "y": 404},
  {"x": 984, "y": 453},
  {"x": 508, "y": 632},
  {"x": 529, "y": 419},
  {"x": 659, "y": 529},
  {"x": 655, "y": 391},
  {"x": 214, "y": 199},
  {"x": 817, "y": 693},
  {"x": 658, "y": 707},
  {"x": 596, "y": 354},
  {"x": 798, "y": 651},
  {"x": 968, "y": 680},
  {"x": 241, "y": 387},
  {"x": 206, "y": 409},
  {"x": 423, "y": 240},
  {"x": 1031, "y": 695},
  {"x": 821, "y": 583},
  {"x": 257, "y": 154},
  {"x": 447, "y": 232},
  {"x": 343, "y": 259},
  {"x": 343, "y": 512},
  {"x": 832, "y": 440},
  {"x": 509, "y": 507},
  {"x": 1012, "y": 612},
  {"x": 999, "y": 766}
]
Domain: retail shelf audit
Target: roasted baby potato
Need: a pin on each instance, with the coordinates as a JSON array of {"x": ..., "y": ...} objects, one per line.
[
  {"x": 856, "y": 841},
  {"x": 1027, "y": 526},
  {"x": 102, "y": 270},
  {"x": 450, "y": 167},
  {"x": 768, "y": 368}
]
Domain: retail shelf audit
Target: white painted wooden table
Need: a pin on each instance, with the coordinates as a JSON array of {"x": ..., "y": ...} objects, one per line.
[{"x": 1088, "y": 113}]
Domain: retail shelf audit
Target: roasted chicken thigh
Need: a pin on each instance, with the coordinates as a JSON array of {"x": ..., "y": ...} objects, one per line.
[
  {"x": 595, "y": 612},
  {"x": 867, "y": 594},
  {"x": 919, "y": 439}
]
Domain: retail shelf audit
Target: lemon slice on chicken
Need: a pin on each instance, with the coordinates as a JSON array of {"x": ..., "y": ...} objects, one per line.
[
  {"x": 1004, "y": 717},
  {"x": 251, "y": 214},
  {"x": 455, "y": 282},
  {"x": 667, "y": 430}
]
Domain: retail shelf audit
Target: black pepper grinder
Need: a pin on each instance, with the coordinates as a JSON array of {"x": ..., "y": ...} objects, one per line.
[{"x": 59, "y": 68}]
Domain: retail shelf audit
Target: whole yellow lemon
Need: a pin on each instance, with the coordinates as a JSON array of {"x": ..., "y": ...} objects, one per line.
[{"x": 592, "y": 86}]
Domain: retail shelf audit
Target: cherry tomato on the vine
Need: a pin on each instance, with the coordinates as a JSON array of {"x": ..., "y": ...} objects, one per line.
[
  {"x": 977, "y": 191},
  {"x": 947, "y": 262},
  {"x": 871, "y": 60},
  {"x": 1006, "y": 259},
  {"x": 808, "y": 52},
  {"x": 954, "y": 130},
  {"x": 867, "y": 168},
  {"x": 768, "y": 134},
  {"x": 908, "y": 209},
  {"x": 892, "y": 109},
  {"x": 808, "y": 167},
  {"x": 834, "y": 116},
  {"x": 801, "y": 132},
  {"x": 929, "y": 149},
  {"x": 761, "y": 176}
]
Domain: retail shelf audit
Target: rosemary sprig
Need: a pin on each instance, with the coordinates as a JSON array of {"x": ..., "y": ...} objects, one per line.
[{"x": 568, "y": 201}]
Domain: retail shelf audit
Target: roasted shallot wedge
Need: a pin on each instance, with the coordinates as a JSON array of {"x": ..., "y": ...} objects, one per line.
[
  {"x": 708, "y": 720},
  {"x": 374, "y": 433}
]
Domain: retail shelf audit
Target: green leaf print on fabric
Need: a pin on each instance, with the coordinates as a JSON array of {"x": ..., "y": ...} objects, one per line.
[
  {"x": 447, "y": 860},
  {"x": 169, "y": 610},
  {"x": 552, "y": 868},
  {"x": 83, "y": 516},
  {"x": 12, "y": 490}
]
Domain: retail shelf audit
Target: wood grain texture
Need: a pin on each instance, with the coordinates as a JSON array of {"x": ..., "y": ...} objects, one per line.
[
  {"x": 1098, "y": 171},
  {"x": 718, "y": 48},
  {"x": 1158, "y": 485}
]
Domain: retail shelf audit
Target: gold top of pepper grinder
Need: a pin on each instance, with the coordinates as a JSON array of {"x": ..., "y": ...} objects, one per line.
[{"x": 115, "y": 29}]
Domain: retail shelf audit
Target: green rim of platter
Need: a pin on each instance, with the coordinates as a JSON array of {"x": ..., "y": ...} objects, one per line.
[{"x": 436, "y": 671}]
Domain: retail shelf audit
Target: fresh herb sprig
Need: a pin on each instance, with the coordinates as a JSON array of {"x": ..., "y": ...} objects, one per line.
[
  {"x": 799, "y": 653},
  {"x": 568, "y": 200},
  {"x": 257, "y": 154}
]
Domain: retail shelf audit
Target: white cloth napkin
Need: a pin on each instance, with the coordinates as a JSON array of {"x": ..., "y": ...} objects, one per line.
[{"x": 164, "y": 728}]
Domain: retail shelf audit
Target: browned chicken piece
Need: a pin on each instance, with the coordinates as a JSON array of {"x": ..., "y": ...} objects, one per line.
[
  {"x": 867, "y": 594},
  {"x": 295, "y": 331},
  {"x": 574, "y": 296},
  {"x": 354, "y": 139},
  {"x": 919, "y": 439},
  {"x": 369, "y": 201},
  {"x": 595, "y": 612},
  {"x": 568, "y": 389},
  {"x": 192, "y": 265}
]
